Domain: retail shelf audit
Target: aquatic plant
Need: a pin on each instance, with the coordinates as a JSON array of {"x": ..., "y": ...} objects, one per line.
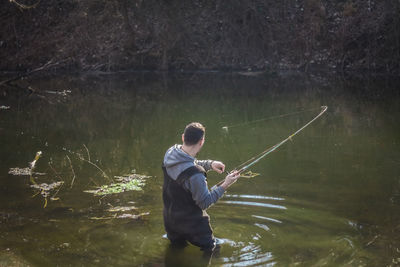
[
  {"x": 132, "y": 216},
  {"x": 20, "y": 171},
  {"x": 28, "y": 171},
  {"x": 62, "y": 93},
  {"x": 122, "y": 216},
  {"x": 45, "y": 189},
  {"x": 118, "y": 208},
  {"x": 89, "y": 161},
  {"x": 132, "y": 182}
]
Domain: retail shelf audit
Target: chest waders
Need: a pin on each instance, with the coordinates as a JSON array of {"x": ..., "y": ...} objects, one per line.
[{"x": 183, "y": 219}]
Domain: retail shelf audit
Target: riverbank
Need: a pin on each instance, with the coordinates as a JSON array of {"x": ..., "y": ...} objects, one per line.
[{"x": 110, "y": 36}]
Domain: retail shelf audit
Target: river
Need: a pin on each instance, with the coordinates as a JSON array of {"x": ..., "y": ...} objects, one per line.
[{"x": 330, "y": 196}]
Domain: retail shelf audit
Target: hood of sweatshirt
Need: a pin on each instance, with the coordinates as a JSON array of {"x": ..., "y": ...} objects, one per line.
[{"x": 176, "y": 161}]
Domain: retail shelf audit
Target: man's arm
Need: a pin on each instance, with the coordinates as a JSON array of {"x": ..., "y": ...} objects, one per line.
[
  {"x": 203, "y": 197},
  {"x": 230, "y": 179},
  {"x": 206, "y": 164}
]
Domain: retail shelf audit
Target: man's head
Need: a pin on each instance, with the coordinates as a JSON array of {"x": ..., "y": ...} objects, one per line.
[{"x": 194, "y": 134}]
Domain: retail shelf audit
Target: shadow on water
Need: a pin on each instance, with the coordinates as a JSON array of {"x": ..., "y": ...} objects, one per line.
[{"x": 330, "y": 197}]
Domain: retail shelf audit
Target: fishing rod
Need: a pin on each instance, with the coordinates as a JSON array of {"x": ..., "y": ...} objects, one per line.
[{"x": 247, "y": 164}]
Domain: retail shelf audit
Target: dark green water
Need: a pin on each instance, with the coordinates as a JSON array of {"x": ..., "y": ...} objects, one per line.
[{"x": 331, "y": 197}]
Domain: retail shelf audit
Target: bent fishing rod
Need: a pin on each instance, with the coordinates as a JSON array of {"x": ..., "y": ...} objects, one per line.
[{"x": 247, "y": 164}]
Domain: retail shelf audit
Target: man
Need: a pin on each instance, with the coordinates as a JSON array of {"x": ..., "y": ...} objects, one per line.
[{"x": 185, "y": 192}]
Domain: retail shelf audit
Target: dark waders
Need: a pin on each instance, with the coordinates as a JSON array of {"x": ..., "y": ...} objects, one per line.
[{"x": 184, "y": 221}]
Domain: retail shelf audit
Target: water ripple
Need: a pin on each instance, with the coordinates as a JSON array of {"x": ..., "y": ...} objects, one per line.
[
  {"x": 255, "y": 197},
  {"x": 265, "y": 259},
  {"x": 262, "y": 226},
  {"x": 257, "y": 204},
  {"x": 266, "y": 218}
]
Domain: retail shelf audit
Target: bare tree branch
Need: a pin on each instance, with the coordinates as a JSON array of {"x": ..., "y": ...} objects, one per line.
[{"x": 23, "y": 6}]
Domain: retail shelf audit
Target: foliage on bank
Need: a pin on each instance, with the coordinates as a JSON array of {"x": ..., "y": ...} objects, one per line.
[{"x": 108, "y": 35}]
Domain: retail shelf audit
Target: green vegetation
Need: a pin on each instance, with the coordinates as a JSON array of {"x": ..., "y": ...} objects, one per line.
[{"x": 132, "y": 182}]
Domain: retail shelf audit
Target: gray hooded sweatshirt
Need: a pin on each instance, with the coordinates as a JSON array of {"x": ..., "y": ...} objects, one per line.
[{"x": 176, "y": 161}]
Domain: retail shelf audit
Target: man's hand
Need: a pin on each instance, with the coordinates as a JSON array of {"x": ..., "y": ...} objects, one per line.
[
  {"x": 230, "y": 179},
  {"x": 218, "y": 166}
]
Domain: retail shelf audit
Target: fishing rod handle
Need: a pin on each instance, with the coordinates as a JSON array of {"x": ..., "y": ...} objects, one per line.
[{"x": 227, "y": 173}]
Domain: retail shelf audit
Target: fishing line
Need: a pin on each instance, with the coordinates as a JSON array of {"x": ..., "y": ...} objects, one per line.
[
  {"x": 226, "y": 128},
  {"x": 247, "y": 164},
  {"x": 232, "y": 143}
]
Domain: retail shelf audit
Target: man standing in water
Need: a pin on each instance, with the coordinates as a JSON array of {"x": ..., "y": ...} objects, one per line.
[{"x": 185, "y": 192}]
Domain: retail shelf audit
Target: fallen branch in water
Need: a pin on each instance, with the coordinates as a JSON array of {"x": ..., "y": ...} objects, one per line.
[
  {"x": 93, "y": 164},
  {"x": 97, "y": 167},
  {"x": 46, "y": 66},
  {"x": 73, "y": 172},
  {"x": 372, "y": 241},
  {"x": 53, "y": 197},
  {"x": 93, "y": 181},
  {"x": 32, "y": 165},
  {"x": 23, "y": 6},
  {"x": 87, "y": 150},
  {"x": 55, "y": 172}
]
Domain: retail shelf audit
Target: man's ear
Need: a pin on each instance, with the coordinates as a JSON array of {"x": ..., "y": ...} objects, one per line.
[
  {"x": 202, "y": 141},
  {"x": 183, "y": 138}
]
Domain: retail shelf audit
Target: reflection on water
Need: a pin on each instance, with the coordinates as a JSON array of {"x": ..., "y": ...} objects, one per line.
[
  {"x": 266, "y": 218},
  {"x": 254, "y": 197},
  {"x": 256, "y": 204},
  {"x": 330, "y": 197},
  {"x": 262, "y": 226},
  {"x": 250, "y": 255}
]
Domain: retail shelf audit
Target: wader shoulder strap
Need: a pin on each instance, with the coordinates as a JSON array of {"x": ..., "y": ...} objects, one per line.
[{"x": 189, "y": 172}]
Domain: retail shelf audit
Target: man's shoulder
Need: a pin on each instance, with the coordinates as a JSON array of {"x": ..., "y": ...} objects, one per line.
[
  {"x": 171, "y": 148},
  {"x": 192, "y": 171}
]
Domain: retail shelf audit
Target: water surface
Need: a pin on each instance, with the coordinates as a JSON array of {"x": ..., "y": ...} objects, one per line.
[{"x": 329, "y": 197}]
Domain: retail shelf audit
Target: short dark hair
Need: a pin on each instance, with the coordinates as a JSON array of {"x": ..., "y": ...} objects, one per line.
[{"x": 193, "y": 133}]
